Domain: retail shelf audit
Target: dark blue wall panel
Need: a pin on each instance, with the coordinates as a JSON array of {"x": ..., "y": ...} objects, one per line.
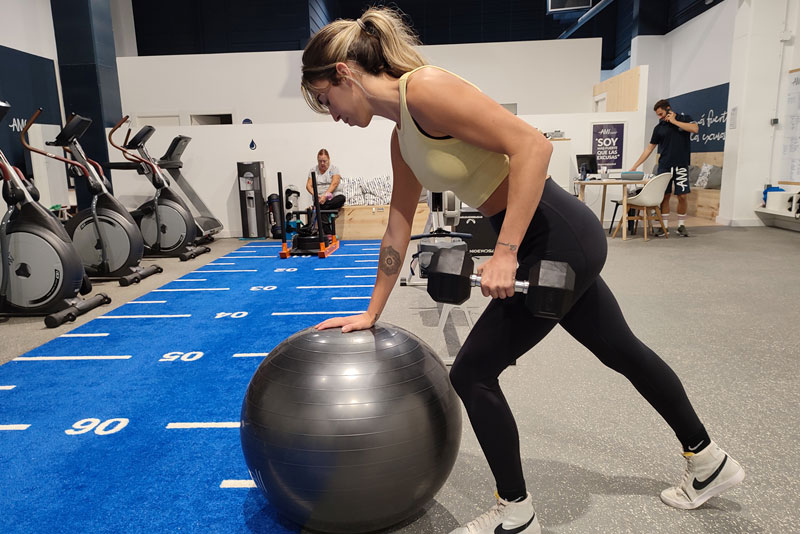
[
  {"x": 213, "y": 26},
  {"x": 28, "y": 83},
  {"x": 319, "y": 14},
  {"x": 88, "y": 66},
  {"x": 709, "y": 108}
]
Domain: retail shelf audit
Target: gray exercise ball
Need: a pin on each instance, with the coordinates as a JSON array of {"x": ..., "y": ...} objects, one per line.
[{"x": 350, "y": 432}]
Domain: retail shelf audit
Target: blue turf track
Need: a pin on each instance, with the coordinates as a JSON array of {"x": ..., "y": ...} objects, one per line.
[{"x": 121, "y": 469}]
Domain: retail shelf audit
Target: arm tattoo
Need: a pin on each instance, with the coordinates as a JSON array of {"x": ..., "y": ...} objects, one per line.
[
  {"x": 390, "y": 262},
  {"x": 509, "y": 245}
]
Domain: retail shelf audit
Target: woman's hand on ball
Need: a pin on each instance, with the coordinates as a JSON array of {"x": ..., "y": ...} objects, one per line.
[{"x": 348, "y": 324}]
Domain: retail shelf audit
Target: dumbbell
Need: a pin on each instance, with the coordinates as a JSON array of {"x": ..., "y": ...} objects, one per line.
[{"x": 548, "y": 289}]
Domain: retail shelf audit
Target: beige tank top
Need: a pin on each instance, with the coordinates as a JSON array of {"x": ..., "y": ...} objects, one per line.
[{"x": 448, "y": 164}]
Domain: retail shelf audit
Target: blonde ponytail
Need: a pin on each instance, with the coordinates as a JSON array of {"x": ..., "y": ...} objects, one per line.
[{"x": 379, "y": 42}]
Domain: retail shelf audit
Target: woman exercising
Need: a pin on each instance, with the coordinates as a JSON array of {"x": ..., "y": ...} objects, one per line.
[
  {"x": 328, "y": 182},
  {"x": 492, "y": 160}
]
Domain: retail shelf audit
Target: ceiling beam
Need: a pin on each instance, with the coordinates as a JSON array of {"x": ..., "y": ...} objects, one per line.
[{"x": 586, "y": 17}]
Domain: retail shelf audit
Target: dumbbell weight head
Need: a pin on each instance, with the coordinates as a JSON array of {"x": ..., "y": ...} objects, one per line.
[
  {"x": 448, "y": 275},
  {"x": 551, "y": 286}
]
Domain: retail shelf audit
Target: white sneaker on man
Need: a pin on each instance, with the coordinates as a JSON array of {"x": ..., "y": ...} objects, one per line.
[
  {"x": 708, "y": 473},
  {"x": 505, "y": 518}
]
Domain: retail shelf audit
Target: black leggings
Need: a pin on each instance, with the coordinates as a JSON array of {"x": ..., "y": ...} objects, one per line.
[{"x": 564, "y": 229}]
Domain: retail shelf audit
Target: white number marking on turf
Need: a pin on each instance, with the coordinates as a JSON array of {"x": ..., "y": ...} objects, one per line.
[
  {"x": 237, "y": 484},
  {"x": 263, "y": 288},
  {"x": 182, "y": 356},
  {"x": 191, "y": 426},
  {"x": 232, "y": 315},
  {"x": 67, "y": 358},
  {"x": 101, "y": 428},
  {"x": 285, "y": 270}
]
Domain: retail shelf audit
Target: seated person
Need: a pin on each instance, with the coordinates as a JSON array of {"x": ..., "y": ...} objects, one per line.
[{"x": 328, "y": 186}]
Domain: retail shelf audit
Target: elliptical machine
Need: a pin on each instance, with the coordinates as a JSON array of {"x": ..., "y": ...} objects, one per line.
[
  {"x": 40, "y": 272},
  {"x": 106, "y": 236},
  {"x": 167, "y": 224},
  {"x": 207, "y": 224}
]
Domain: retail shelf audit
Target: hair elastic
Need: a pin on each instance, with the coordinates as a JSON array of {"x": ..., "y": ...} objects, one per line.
[{"x": 363, "y": 26}]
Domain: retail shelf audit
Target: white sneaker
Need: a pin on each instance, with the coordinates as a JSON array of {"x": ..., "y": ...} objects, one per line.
[
  {"x": 505, "y": 518},
  {"x": 708, "y": 473}
]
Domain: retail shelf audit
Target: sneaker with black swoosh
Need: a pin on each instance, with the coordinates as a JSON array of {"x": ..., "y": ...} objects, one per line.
[
  {"x": 708, "y": 473},
  {"x": 505, "y": 518}
]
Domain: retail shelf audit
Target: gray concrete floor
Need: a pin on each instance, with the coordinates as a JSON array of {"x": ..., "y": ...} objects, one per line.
[{"x": 721, "y": 307}]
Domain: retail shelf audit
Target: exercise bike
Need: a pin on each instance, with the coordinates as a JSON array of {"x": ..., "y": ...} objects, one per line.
[
  {"x": 106, "y": 236},
  {"x": 166, "y": 222},
  {"x": 40, "y": 272}
]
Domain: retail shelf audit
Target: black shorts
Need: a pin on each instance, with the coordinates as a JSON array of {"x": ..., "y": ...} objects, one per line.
[{"x": 679, "y": 184}]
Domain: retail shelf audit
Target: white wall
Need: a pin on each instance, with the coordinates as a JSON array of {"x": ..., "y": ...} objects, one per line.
[
  {"x": 27, "y": 25},
  {"x": 264, "y": 86},
  {"x": 791, "y": 60},
  {"x": 758, "y": 92},
  {"x": 578, "y": 127},
  {"x": 650, "y": 50},
  {"x": 210, "y": 159},
  {"x": 693, "y": 56},
  {"x": 700, "y": 51},
  {"x": 554, "y": 76}
]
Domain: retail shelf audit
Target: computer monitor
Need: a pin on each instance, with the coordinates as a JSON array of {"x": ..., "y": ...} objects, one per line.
[{"x": 587, "y": 160}]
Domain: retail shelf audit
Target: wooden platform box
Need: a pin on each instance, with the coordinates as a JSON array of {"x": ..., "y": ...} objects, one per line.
[
  {"x": 369, "y": 222},
  {"x": 703, "y": 203}
]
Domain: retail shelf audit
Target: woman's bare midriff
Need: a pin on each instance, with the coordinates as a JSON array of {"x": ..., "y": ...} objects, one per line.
[{"x": 497, "y": 201}]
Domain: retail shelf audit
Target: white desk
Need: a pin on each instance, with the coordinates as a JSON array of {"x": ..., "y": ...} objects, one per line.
[{"x": 605, "y": 184}]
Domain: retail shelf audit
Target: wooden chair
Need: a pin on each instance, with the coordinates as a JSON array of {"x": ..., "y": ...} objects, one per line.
[{"x": 649, "y": 198}]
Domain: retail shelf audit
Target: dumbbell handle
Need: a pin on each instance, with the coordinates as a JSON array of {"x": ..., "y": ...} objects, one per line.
[{"x": 520, "y": 286}]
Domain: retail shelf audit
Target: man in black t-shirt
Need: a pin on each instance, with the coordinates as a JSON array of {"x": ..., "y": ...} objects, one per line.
[{"x": 671, "y": 135}]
